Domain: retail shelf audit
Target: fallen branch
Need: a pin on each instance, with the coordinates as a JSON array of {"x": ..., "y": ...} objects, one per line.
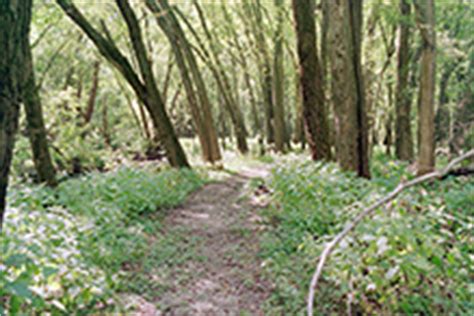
[{"x": 438, "y": 174}]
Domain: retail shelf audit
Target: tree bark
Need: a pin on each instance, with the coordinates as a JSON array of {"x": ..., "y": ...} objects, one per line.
[
  {"x": 92, "y": 94},
  {"x": 34, "y": 118},
  {"x": 15, "y": 17},
  {"x": 314, "y": 111},
  {"x": 146, "y": 91},
  {"x": 105, "y": 123},
  {"x": 278, "y": 88},
  {"x": 347, "y": 85},
  {"x": 425, "y": 17},
  {"x": 403, "y": 137}
]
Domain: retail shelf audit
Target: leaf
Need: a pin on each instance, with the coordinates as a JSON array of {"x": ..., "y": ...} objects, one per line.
[
  {"x": 59, "y": 305},
  {"x": 49, "y": 271},
  {"x": 17, "y": 260},
  {"x": 20, "y": 289}
]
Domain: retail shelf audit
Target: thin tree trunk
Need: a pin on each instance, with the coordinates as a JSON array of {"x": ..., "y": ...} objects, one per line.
[
  {"x": 143, "y": 131},
  {"x": 389, "y": 122},
  {"x": 92, "y": 94},
  {"x": 403, "y": 134},
  {"x": 201, "y": 110},
  {"x": 278, "y": 82},
  {"x": 105, "y": 123},
  {"x": 247, "y": 77},
  {"x": 253, "y": 10},
  {"x": 426, "y": 23},
  {"x": 443, "y": 115},
  {"x": 222, "y": 80},
  {"x": 314, "y": 111}
]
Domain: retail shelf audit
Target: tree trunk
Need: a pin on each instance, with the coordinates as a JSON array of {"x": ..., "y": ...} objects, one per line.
[
  {"x": 426, "y": 23},
  {"x": 403, "y": 137},
  {"x": 147, "y": 90},
  {"x": 314, "y": 111},
  {"x": 347, "y": 85},
  {"x": 187, "y": 65},
  {"x": 222, "y": 80},
  {"x": 443, "y": 116},
  {"x": 92, "y": 94},
  {"x": 35, "y": 123},
  {"x": 15, "y": 17},
  {"x": 105, "y": 123},
  {"x": 388, "y": 124},
  {"x": 278, "y": 82},
  {"x": 254, "y": 12}
]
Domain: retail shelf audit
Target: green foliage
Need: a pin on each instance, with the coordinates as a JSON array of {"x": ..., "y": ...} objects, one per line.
[
  {"x": 64, "y": 250},
  {"x": 411, "y": 257}
]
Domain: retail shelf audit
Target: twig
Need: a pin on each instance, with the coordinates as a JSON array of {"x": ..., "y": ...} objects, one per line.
[{"x": 353, "y": 223}]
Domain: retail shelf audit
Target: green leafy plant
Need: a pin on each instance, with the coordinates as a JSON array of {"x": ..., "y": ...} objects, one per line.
[
  {"x": 64, "y": 249},
  {"x": 412, "y": 257}
]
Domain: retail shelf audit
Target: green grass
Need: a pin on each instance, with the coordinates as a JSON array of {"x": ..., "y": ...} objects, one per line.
[
  {"x": 73, "y": 248},
  {"x": 412, "y": 257}
]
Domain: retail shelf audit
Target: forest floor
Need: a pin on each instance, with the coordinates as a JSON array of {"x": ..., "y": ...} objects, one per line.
[{"x": 219, "y": 224}]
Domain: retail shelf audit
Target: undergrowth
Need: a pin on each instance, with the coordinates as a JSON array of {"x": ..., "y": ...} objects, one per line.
[
  {"x": 413, "y": 257},
  {"x": 67, "y": 250}
]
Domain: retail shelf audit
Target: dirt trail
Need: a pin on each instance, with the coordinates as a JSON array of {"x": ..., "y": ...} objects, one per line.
[{"x": 226, "y": 280}]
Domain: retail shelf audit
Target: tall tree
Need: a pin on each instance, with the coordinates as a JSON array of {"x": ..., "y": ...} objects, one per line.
[
  {"x": 15, "y": 18},
  {"x": 403, "y": 137},
  {"x": 278, "y": 88},
  {"x": 254, "y": 14},
  {"x": 223, "y": 82},
  {"x": 425, "y": 18},
  {"x": 144, "y": 86},
  {"x": 348, "y": 86},
  {"x": 244, "y": 63},
  {"x": 197, "y": 97},
  {"x": 312, "y": 90}
]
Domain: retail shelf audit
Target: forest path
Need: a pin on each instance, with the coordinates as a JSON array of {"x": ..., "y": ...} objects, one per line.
[{"x": 222, "y": 276}]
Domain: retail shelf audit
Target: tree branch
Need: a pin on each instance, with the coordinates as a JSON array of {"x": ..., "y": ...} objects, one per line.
[
  {"x": 107, "y": 48},
  {"x": 439, "y": 174}
]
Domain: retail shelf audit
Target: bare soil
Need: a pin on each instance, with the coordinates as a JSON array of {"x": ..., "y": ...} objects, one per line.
[{"x": 226, "y": 280}]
